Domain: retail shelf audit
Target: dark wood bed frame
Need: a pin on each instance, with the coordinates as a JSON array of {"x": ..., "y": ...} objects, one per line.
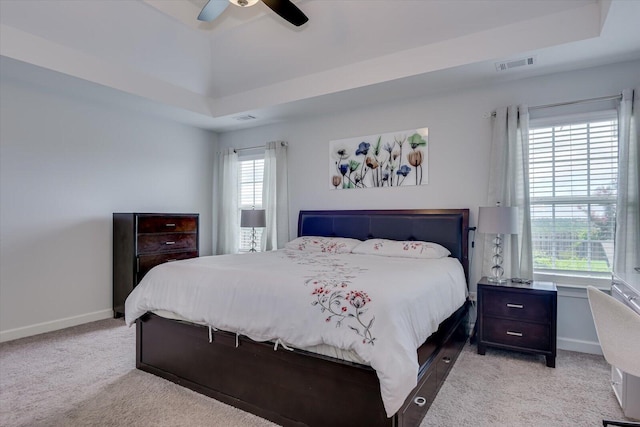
[{"x": 298, "y": 388}]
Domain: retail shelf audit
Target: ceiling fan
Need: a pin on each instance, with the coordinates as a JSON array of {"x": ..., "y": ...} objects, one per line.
[{"x": 285, "y": 8}]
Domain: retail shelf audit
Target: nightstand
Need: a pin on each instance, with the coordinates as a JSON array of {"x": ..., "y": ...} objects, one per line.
[{"x": 518, "y": 316}]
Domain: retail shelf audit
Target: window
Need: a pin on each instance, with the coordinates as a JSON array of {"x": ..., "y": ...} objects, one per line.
[
  {"x": 573, "y": 168},
  {"x": 250, "y": 175}
]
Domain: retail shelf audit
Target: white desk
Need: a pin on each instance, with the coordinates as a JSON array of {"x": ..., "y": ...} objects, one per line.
[{"x": 626, "y": 288}]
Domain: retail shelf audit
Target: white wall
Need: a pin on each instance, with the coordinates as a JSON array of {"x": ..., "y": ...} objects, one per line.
[
  {"x": 459, "y": 139},
  {"x": 67, "y": 162}
]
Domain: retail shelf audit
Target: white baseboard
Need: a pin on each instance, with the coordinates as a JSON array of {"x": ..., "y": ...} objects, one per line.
[
  {"x": 578, "y": 345},
  {"x": 54, "y": 325}
]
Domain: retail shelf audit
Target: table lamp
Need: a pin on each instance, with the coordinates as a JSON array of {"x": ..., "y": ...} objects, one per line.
[
  {"x": 252, "y": 218},
  {"x": 497, "y": 220}
]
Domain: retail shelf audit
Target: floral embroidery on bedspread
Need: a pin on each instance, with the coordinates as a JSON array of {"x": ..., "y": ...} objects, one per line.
[{"x": 331, "y": 279}]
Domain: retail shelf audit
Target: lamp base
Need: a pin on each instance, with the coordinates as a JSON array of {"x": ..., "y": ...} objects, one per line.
[
  {"x": 253, "y": 240},
  {"x": 497, "y": 271}
]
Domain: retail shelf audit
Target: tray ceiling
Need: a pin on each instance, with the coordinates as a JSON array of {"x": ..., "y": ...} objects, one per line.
[{"x": 250, "y": 61}]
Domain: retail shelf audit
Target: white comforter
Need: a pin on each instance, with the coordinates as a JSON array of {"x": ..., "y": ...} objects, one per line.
[{"x": 381, "y": 308}]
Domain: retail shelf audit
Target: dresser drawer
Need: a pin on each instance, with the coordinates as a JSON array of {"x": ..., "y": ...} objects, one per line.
[
  {"x": 147, "y": 262},
  {"x": 517, "y": 305},
  {"x": 517, "y": 333},
  {"x": 167, "y": 242},
  {"x": 167, "y": 224}
]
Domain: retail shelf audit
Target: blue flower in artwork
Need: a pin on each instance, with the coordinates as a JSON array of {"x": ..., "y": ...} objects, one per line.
[
  {"x": 344, "y": 168},
  {"x": 404, "y": 170},
  {"x": 385, "y": 176},
  {"x": 363, "y": 148}
]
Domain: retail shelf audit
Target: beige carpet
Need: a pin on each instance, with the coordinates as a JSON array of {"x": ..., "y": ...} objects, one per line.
[
  {"x": 514, "y": 389},
  {"x": 86, "y": 376}
]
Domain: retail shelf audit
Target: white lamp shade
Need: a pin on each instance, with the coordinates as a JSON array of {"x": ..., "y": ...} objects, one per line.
[
  {"x": 498, "y": 220},
  {"x": 252, "y": 218}
]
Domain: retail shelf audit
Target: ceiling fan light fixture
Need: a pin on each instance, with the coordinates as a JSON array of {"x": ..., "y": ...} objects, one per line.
[
  {"x": 284, "y": 8},
  {"x": 243, "y": 3}
]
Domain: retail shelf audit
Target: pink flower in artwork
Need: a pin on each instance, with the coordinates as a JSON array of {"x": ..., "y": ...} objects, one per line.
[{"x": 317, "y": 291}]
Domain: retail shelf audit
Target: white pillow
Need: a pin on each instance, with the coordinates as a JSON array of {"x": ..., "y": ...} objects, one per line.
[
  {"x": 334, "y": 245},
  {"x": 403, "y": 249}
]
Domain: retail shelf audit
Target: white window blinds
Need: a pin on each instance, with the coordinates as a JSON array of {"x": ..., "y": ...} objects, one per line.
[
  {"x": 250, "y": 176},
  {"x": 573, "y": 167}
]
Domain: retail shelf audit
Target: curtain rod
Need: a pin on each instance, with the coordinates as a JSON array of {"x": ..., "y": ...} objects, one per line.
[
  {"x": 282, "y": 144},
  {"x": 579, "y": 101}
]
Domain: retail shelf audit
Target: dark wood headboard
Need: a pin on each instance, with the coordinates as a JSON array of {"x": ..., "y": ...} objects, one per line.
[{"x": 447, "y": 227}]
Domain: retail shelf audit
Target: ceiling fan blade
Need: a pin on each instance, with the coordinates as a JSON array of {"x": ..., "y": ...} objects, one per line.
[
  {"x": 287, "y": 10},
  {"x": 212, "y": 10}
]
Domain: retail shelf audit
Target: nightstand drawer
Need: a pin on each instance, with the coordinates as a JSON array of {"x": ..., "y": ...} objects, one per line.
[
  {"x": 517, "y": 305},
  {"x": 517, "y": 333},
  {"x": 167, "y": 224},
  {"x": 166, "y": 242}
]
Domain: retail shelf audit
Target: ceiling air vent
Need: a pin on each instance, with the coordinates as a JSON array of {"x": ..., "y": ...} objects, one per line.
[
  {"x": 515, "y": 63},
  {"x": 245, "y": 118}
]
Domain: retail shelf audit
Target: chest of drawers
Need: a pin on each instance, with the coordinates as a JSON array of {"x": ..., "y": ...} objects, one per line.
[
  {"x": 518, "y": 316},
  {"x": 143, "y": 240}
]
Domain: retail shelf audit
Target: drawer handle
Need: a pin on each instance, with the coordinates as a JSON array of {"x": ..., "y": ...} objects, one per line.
[
  {"x": 515, "y": 305},
  {"x": 170, "y": 225},
  {"x": 169, "y": 243},
  {"x": 420, "y": 401},
  {"x": 615, "y": 382},
  {"x": 514, "y": 334},
  {"x": 446, "y": 359}
]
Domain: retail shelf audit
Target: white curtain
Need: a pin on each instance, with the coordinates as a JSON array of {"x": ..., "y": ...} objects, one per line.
[
  {"x": 509, "y": 185},
  {"x": 626, "y": 254},
  {"x": 275, "y": 196},
  {"x": 226, "y": 203}
]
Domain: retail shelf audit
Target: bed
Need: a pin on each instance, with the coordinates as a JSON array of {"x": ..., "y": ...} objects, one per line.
[{"x": 294, "y": 386}]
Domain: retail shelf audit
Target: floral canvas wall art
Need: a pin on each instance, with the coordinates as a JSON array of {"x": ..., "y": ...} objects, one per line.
[{"x": 394, "y": 159}]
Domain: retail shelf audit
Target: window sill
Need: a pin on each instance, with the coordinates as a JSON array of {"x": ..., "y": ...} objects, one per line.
[{"x": 574, "y": 281}]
